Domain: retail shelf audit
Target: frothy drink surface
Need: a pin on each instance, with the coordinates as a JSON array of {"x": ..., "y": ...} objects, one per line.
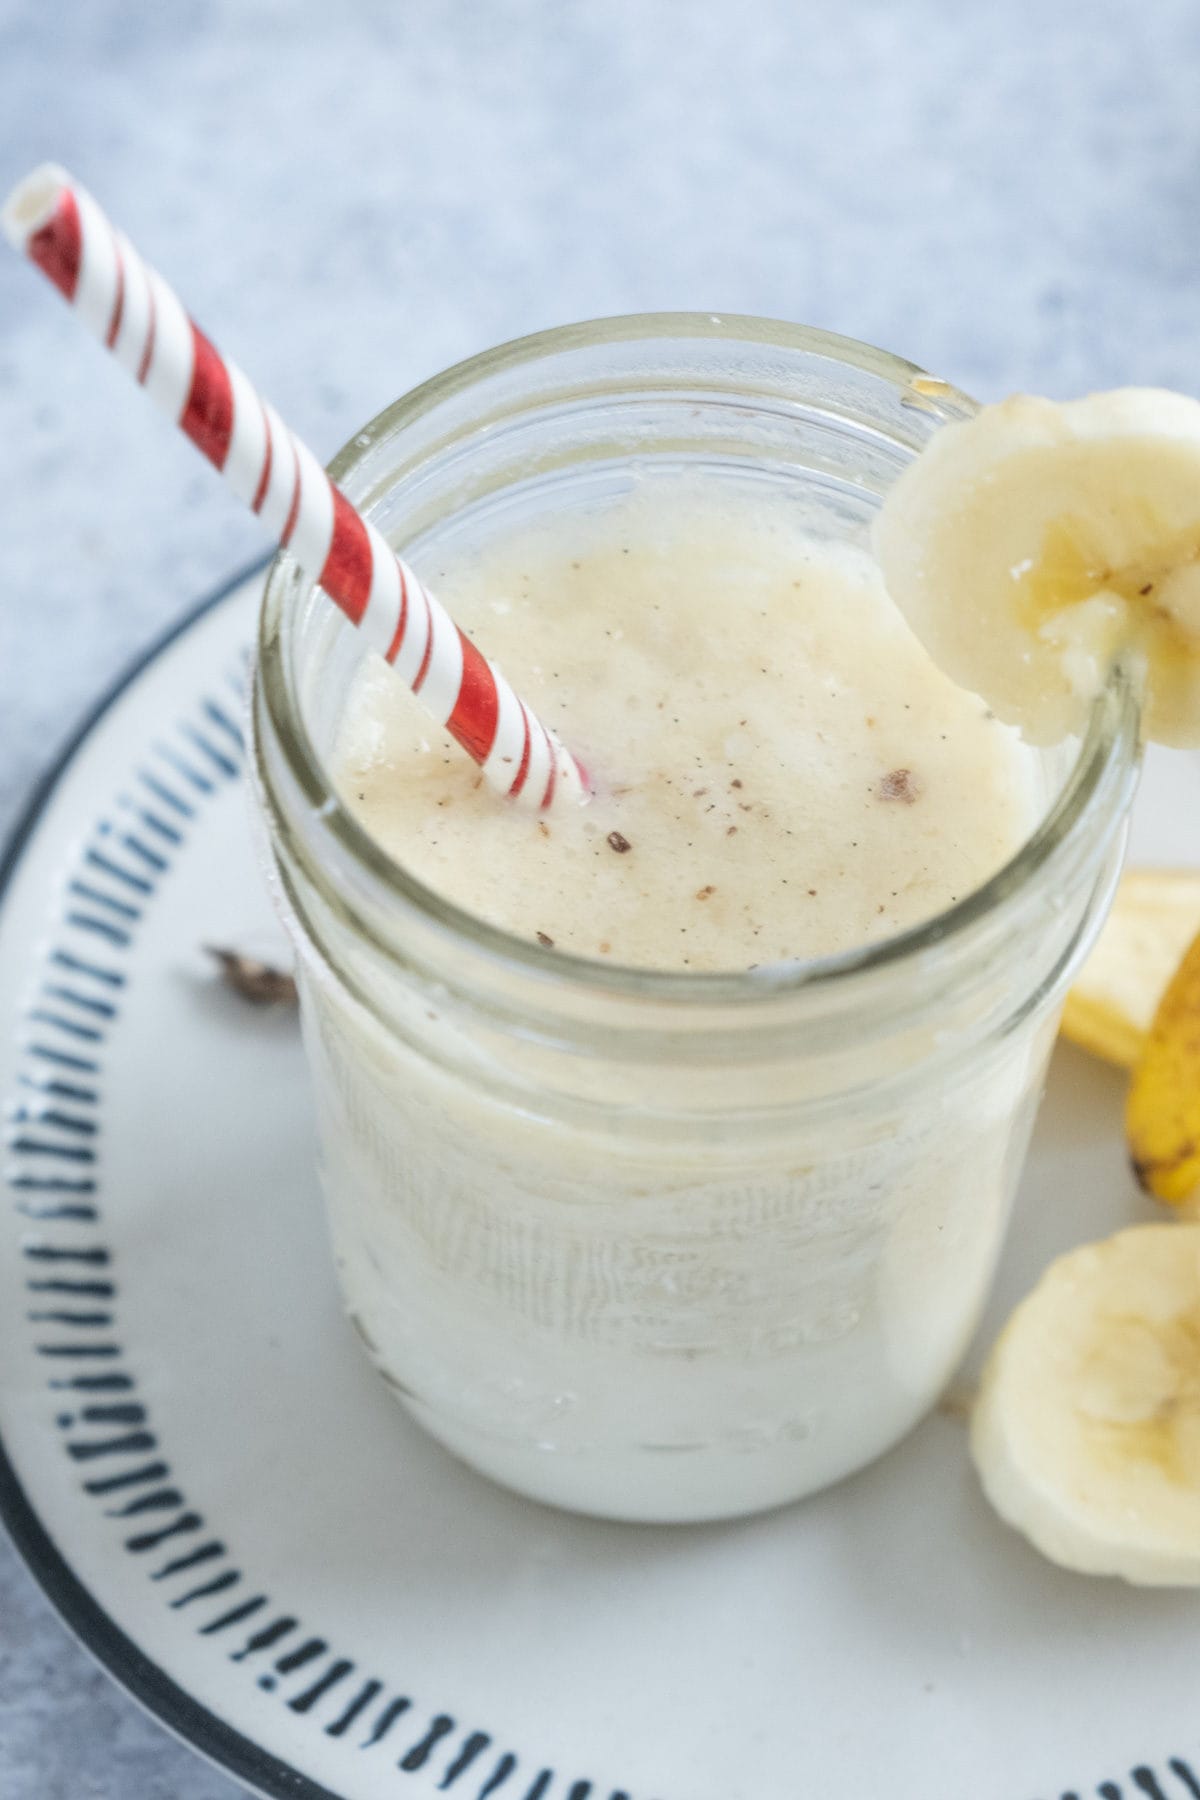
[{"x": 782, "y": 772}]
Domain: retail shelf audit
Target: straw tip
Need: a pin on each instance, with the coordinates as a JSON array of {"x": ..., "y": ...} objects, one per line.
[{"x": 32, "y": 203}]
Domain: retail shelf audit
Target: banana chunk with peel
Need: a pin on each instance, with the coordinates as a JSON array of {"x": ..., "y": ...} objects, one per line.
[
  {"x": 1111, "y": 1007},
  {"x": 1162, "y": 1112},
  {"x": 1086, "y": 1433},
  {"x": 1031, "y": 546}
]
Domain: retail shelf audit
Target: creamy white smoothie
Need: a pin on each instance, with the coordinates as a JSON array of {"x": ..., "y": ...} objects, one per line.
[
  {"x": 781, "y": 770},
  {"x": 781, "y": 773}
]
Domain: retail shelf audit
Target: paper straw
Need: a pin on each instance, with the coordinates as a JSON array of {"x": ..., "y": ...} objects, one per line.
[{"x": 53, "y": 221}]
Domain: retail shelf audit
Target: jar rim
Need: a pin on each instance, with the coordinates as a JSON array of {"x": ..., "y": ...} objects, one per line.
[{"x": 1104, "y": 760}]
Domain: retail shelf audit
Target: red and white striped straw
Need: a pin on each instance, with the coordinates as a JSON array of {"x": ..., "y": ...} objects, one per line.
[{"x": 129, "y": 307}]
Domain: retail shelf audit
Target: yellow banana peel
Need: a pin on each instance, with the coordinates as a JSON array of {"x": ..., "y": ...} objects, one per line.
[{"x": 1162, "y": 1113}]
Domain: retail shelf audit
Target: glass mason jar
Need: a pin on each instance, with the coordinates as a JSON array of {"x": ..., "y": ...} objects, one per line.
[{"x": 660, "y": 1246}]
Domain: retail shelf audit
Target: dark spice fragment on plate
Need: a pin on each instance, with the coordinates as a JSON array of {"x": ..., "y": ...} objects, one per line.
[{"x": 254, "y": 981}]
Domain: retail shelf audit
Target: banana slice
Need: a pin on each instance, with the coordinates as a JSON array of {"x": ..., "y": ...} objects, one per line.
[
  {"x": 1086, "y": 1433},
  {"x": 1031, "y": 545},
  {"x": 1111, "y": 1007},
  {"x": 1162, "y": 1113}
]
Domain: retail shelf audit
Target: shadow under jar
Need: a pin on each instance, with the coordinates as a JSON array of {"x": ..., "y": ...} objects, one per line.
[{"x": 648, "y": 1245}]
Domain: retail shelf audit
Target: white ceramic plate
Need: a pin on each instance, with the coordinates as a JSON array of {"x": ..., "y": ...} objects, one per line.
[{"x": 225, "y": 1504}]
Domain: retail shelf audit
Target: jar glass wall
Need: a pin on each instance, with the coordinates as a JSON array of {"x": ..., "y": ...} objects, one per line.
[{"x": 659, "y": 1245}]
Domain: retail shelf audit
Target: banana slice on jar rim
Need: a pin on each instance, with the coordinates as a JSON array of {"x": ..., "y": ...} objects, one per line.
[
  {"x": 1031, "y": 546},
  {"x": 1086, "y": 1432}
]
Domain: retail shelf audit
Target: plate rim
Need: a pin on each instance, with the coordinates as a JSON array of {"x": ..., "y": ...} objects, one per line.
[{"x": 184, "y": 1717}]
